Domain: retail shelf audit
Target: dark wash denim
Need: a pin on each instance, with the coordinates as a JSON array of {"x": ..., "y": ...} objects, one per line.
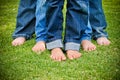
[
  {"x": 96, "y": 20},
  {"x": 76, "y": 23},
  {"x": 25, "y": 24}
]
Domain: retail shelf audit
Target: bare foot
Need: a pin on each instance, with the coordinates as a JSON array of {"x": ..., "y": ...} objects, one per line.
[
  {"x": 57, "y": 54},
  {"x": 88, "y": 45},
  {"x": 71, "y": 54},
  {"x": 18, "y": 41},
  {"x": 39, "y": 47},
  {"x": 103, "y": 41}
]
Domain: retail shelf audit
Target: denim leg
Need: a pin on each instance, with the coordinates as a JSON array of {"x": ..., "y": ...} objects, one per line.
[
  {"x": 54, "y": 23},
  {"x": 40, "y": 28},
  {"x": 76, "y": 23},
  {"x": 87, "y": 34},
  {"x": 97, "y": 19},
  {"x": 25, "y": 25}
]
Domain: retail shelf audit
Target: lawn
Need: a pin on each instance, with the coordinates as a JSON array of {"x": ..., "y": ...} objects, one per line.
[{"x": 20, "y": 63}]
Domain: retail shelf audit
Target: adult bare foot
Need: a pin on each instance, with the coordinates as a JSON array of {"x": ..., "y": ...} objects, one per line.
[
  {"x": 57, "y": 54},
  {"x": 103, "y": 41},
  {"x": 71, "y": 54},
  {"x": 88, "y": 45},
  {"x": 39, "y": 47},
  {"x": 18, "y": 41}
]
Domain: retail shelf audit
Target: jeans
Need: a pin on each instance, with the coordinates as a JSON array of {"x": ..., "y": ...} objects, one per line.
[
  {"x": 25, "y": 24},
  {"x": 76, "y": 23},
  {"x": 40, "y": 29},
  {"x": 97, "y": 21},
  {"x": 30, "y": 19}
]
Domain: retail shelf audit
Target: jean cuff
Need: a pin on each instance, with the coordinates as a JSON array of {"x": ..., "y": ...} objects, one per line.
[
  {"x": 41, "y": 39},
  {"x": 72, "y": 46},
  {"x": 85, "y": 38},
  {"x": 22, "y": 35},
  {"x": 54, "y": 44},
  {"x": 98, "y": 36}
]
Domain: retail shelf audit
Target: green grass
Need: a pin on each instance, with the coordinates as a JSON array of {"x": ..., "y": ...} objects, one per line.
[{"x": 20, "y": 63}]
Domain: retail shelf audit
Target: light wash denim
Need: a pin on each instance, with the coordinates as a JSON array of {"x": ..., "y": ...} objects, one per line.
[
  {"x": 76, "y": 23},
  {"x": 40, "y": 28},
  {"x": 97, "y": 21},
  {"x": 25, "y": 24}
]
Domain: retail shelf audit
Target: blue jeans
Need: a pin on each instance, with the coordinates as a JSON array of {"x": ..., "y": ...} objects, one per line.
[
  {"x": 97, "y": 21},
  {"x": 40, "y": 29},
  {"x": 31, "y": 17},
  {"x": 76, "y": 22},
  {"x": 25, "y": 24}
]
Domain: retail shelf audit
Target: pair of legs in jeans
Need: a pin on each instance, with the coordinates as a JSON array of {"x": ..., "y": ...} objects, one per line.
[
  {"x": 96, "y": 27},
  {"x": 30, "y": 19},
  {"x": 76, "y": 23}
]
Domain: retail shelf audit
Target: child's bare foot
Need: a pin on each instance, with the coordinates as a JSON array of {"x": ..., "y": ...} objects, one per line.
[
  {"x": 88, "y": 45},
  {"x": 71, "y": 54},
  {"x": 39, "y": 47},
  {"x": 103, "y": 41},
  {"x": 57, "y": 54},
  {"x": 18, "y": 41}
]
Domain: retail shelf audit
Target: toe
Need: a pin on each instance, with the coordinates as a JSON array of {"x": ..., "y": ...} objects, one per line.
[{"x": 70, "y": 57}]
